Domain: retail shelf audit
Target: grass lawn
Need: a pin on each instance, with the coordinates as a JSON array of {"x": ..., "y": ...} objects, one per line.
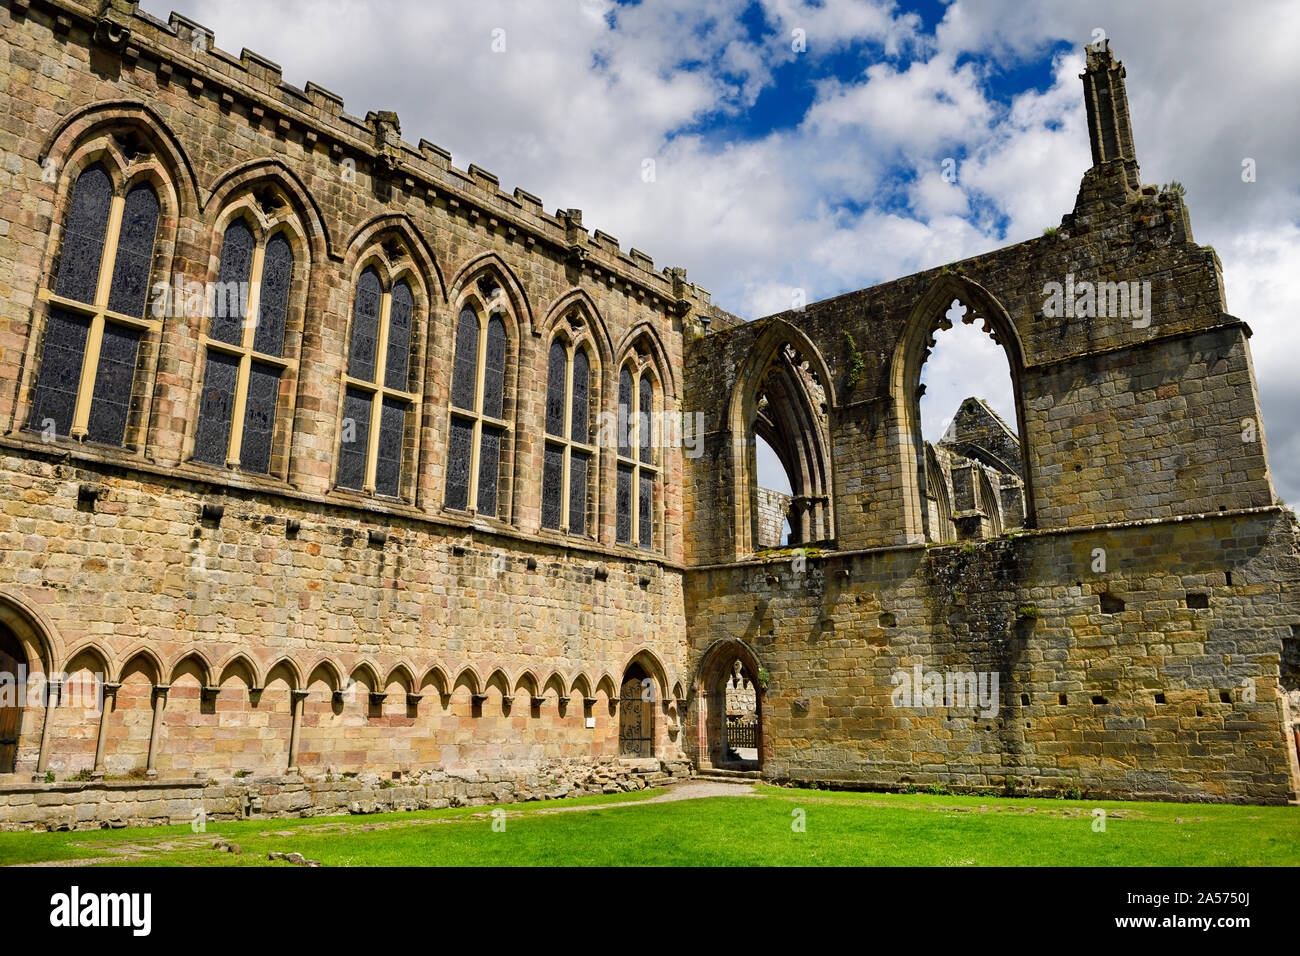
[{"x": 846, "y": 829}]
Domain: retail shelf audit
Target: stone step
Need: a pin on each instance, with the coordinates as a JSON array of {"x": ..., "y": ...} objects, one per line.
[{"x": 717, "y": 773}]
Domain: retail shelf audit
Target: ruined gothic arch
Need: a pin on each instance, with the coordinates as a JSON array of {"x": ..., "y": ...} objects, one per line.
[
  {"x": 783, "y": 393},
  {"x": 928, "y": 317},
  {"x": 716, "y": 666}
]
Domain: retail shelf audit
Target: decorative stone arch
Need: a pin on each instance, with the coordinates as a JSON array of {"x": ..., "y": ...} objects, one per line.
[
  {"x": 775, "y": 397},
  {"x": 647, "y": 337},
  {"x": 329, "y": 671},
  {"x": 527, "y": 681},
  {"x": 555, "y": 682},
  {"x": 152, "y": 664},
  {"x": 237, "y": 662},
  {"x": 435, "y": 677},
  {"x": 272, "y": 202},
  {"x": 927, "y": 317},
  {"x": 27, "y": 641},
  {"x": 366, "y": 672},
  {"x": 87, "y": 122},
  {"x": 654, "y": 669},
  {"x": 488, "y": 289},
  {"x": 258, "y": 172},
  {"x": 377, "y": 232},
  {"x": 580, "y": 301},
  {"x": 403, "y": 675},
  {"x": 469, "y": 678},
  {"x": 944, "y": 528},
  {"x": 135, "y": 149},
  {"x": 291, "y": 670},
  {"x": 711, "y": 737},
  {"x": 201, "y": 664}
]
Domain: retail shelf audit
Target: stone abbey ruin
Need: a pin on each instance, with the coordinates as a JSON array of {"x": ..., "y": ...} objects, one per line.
[{"x": 333, "y": 472}]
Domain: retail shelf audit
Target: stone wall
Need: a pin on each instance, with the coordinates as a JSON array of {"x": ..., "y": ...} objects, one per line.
[
  {"x": 88, "y": 806},
  {"x": 1156, "y": 677}
]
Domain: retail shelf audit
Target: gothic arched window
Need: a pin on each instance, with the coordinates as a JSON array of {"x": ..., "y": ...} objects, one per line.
[
  {"x": 637, "y": 471},
  {"x": 97, "y": 310},
  {"x": 379, "y": 395},
  {"x": 567, "y": 470},
  {"x": 478, "y": 427},
  {"x": 245, "y": 350}
]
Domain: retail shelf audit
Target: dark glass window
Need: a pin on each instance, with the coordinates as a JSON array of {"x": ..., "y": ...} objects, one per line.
[
  {"x": 111, "y": 404},
  {"x": 460, "y": 447},
  {"x": 273, "y": 300},
  {"x": 558, "y": 369},
  {"x": 56, "y": 389},
  {"x": 398, "y": 363},
  {"x": 134, "y": 261},
  {"x": 365, "y": 327},
  {"x": 105, "y": 411},
  {"x": 578, "y": 468},
  {"x": 644, "y": 428},
  {"x": 645, "y": 509},
  {"x": 466, "y": 365},
  {"x": 489, "y": 470},
  {"x": 83, "y": 235},
  {"x": 233, "y": 276},
  {"x": 216, "y": 405},
  {"x": 624, "y": 504},
  {"x": 259, "y": 418},
  {"x": 494, "y": 372},
  {"x": 624, "y": 413},
  {"x": 392, "y": 434},
  {"x": 553, "y": 487},
  {"x": 578, "y": 430},
  {"x": 354, "y": 446}
]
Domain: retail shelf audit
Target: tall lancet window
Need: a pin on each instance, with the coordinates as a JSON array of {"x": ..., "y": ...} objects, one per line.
[
  {"x": 379, "y": 395},
  {"x": 478, "y": 426},
  {"x": 97, "y": 310},
  {"x": 567, "y": 471},
  {"x": 245, "y": 351}
]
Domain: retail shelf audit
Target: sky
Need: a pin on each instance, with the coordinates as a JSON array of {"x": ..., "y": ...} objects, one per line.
[{"x": 778, "y": 148}]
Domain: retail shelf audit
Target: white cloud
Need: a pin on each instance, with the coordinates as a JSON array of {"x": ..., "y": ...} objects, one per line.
[{"x": 846, "y": 196}]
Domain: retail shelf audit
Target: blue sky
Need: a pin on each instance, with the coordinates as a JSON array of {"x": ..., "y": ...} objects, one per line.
[{"x": 781, "y": 170}]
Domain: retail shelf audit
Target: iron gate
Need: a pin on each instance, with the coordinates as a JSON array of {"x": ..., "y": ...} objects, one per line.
[{"x": 635, "y": 722}]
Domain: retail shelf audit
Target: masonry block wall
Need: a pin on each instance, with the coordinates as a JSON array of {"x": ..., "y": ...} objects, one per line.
[
  {"x": 257, "y": 622},
  {"x": 386, "y": 633}
]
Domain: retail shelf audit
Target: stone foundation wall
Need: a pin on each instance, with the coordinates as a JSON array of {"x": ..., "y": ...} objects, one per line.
[
  {"x": 1156, "y": 677},
  {"x": 88, "y": 806}
]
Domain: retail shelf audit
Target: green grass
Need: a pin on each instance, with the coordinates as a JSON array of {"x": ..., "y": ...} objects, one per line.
[{"x": 839, "y": 829}]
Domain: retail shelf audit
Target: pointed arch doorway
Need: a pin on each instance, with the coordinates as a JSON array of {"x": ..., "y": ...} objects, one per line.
[
  {"x": 13, "y": 665},
  {"x": 636, "y": 715},
  {"x": 731, "y": 708}
]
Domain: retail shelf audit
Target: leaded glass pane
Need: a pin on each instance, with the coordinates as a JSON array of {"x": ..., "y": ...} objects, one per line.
[
  {"x": 578, "y": 429},
  {"x": 392, "y": 434},
  {"x": 494, "y": 373},
  {"x": 489, "y": 470},
  {"x": 459, "y": 449},
  {"x": 645, "y": 510},
  {"x": 624, "y": 413},
  {"x": 398, "y": 365},
  {"x": 230, "y": 304},
  {"x": 56, "y": 387},
  {"x": 354, "y": 444},
  {"x": 134, "y": 259},
  {"x": 647, "y": 416},
  {"x": 578, "y": 467},
  {"x": 365, "y": 327},
  {"x": 623, "y": 505},
  {"x": 83, "y": 235},
  {"x": 259, "y": 418},
  {"x": 111, "y": 400},
  {"x": 273, "y": 297},
  {"x": 557, "y": 366},
  {"x": 553, "y": 487},
  {"x": 212, "y": 441},
  {"x": 466, "y": 365}
]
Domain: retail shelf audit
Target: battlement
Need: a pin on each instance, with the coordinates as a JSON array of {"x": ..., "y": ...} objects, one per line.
[{"x": 184, "y": 52}]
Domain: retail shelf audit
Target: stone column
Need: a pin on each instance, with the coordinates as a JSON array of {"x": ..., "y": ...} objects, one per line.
[
  {"x": 159, "y": 702},
  {"x": 51, "y": 701},
  {"x": 107, "y": 689},
  {"x": 296, "y": 698}
]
